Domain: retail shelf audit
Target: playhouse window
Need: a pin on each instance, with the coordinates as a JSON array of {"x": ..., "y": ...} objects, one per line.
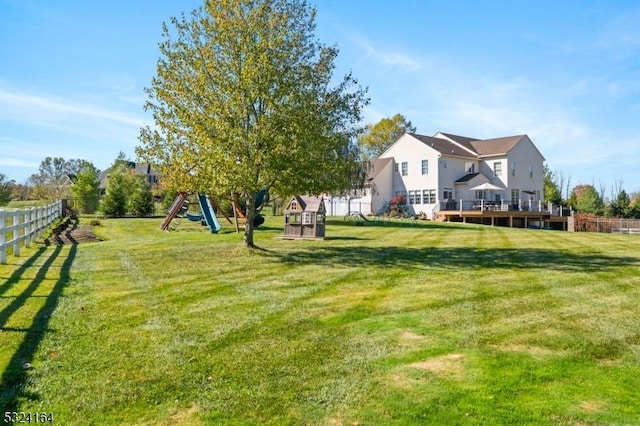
[
  {"x": 307, "y": 219},
  {"x": 293, "y": 218},
  {"x": 294, "y": 205}
]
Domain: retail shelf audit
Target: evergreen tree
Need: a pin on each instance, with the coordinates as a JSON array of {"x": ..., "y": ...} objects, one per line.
[
  {"x": 621, "y": 206},
  {"x": 140, "y": 201},
  {"x": 86, "y": 189},
  {"x": 114, "y": 203}
]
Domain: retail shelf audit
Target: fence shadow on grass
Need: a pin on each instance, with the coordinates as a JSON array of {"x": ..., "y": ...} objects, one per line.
[
  {"x": 13, "y": 379},
  {"x": 457, "y": 257},
  {"x": 399, "y": 223}
]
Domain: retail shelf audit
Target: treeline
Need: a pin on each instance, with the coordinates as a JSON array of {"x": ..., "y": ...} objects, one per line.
[
  {"x": 586, "y": 198},
  {"x": 115, "y": 192}
]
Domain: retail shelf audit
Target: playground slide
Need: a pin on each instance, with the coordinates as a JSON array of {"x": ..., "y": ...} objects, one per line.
[{"x": 208, "y": 213}]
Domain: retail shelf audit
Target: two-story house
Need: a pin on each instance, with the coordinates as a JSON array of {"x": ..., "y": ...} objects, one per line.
[{"x": 450, "y": 172}]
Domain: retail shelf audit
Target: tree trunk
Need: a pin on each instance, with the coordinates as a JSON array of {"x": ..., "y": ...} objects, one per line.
[{"x": 250, "y": 215}]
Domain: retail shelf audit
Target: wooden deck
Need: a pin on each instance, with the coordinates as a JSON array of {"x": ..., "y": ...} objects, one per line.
[{"x": 517, "y": 219}]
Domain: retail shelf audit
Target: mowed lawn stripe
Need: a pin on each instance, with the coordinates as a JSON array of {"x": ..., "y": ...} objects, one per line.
[{"x": 379, "y": 324}]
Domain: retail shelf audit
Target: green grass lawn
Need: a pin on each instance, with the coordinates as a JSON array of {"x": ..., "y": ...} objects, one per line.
[{"x": 407, "y": 324}]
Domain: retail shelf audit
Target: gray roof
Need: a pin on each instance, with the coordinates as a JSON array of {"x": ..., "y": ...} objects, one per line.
[
  {"x": 462, "y": 140},
  {"x": 453, "y": 145},
  {"x": 467, "y": 177},
  {"x": 497, "y": 146},
  {"x": 443, "y": 146}
]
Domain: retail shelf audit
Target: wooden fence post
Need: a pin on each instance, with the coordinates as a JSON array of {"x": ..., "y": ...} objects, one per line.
[
  {"x": 16, "y": 233},
  {"x": 3, "y": 249}
]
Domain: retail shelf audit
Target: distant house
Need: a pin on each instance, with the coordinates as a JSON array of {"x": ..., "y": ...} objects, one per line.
[{"x": 144, "y": 169}]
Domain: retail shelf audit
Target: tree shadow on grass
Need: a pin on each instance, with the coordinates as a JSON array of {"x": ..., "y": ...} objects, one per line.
[
  {"x": 14, "y": 377},
  {"x": 457, "y": 257},
  {"x": 400, "y": 223}
]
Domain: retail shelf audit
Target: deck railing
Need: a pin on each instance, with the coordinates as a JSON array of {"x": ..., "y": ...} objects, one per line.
[
  {"x": 24, "y": 226},
  {"x": 503, "y": 206}
]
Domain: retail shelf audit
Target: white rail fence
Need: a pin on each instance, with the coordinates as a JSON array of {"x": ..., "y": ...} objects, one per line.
[{"x": 23, "y": 227}]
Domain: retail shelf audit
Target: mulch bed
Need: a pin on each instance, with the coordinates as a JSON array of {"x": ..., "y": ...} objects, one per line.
[{"x": 69, "y": 231}]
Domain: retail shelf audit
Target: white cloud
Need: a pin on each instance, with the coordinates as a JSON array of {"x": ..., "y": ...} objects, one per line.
[
  {"x": 387, "y": 58},
  {"x": 16, "y": 162},
  {"x": 68, "y": 116},
  {"x": 42, "y": 108}
]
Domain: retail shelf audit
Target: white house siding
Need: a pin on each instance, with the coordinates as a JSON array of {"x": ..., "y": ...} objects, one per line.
[
  {"x": 412, "y": 151},
  {"x": 381, "y": 190},
  {"x": 454, "y": 170},
  {"x": 525, "y": 155},
  {"x": 487, "y": 168},
  {"x": 464, "y": 191}
]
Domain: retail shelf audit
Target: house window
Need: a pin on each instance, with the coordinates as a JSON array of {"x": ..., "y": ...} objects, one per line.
[
  {"x": 405, "y": 168},
  {"x": 425, "y": 167},
  {"x": 444, "y": 163},
  {"x": 470, "y": 167},
  {"x": 447, "y": 194},
  {"x": 395, "y": 165},
  {"x": 307, "y": 219},
  {"x": 513, "y": 168},
  {"x": 531, "y": 171},
  {"x": 428, "y": 196},
  {"x": 515, "y": 195},
  {"x": 414, "y": 197},
  {"x": 497, "y": 168},
  {"x": 479, "y": 195}
]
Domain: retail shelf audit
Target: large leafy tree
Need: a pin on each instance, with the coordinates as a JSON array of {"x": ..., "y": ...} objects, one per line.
[
  {"x": 53, "y": 178},
  {"x": 586, "y": 199},
  {"x": 378, "y": 137},
  {"x": 245, "y": 99}
]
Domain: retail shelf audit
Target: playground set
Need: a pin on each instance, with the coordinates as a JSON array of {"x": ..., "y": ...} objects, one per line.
[{"x": 207, "y": 217}]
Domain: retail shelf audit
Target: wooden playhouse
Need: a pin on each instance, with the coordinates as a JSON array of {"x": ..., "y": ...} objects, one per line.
[{"x": 304, "y": 218}]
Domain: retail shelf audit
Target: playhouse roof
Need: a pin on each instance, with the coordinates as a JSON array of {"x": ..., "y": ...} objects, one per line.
[{"x": 307, "y": 203}]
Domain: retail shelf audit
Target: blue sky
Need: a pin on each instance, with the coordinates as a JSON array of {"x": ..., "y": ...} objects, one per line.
[{"x": 567, "y": 73}]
